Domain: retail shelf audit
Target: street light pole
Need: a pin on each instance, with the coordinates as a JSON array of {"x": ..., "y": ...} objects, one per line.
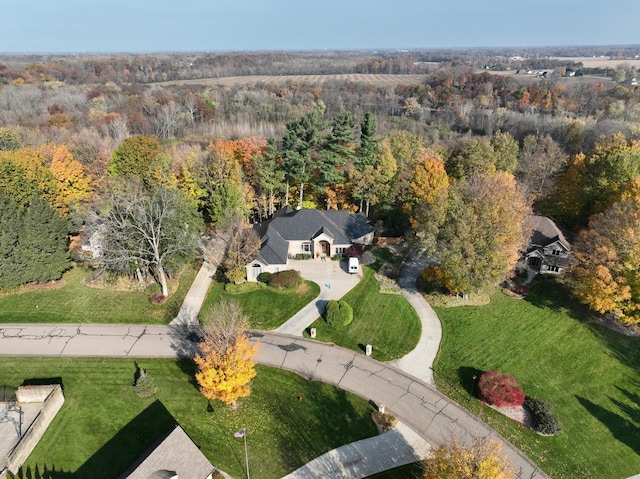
[{"x": 246, "y": 454}]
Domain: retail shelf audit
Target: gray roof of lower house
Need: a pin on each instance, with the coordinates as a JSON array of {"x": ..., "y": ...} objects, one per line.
[
  {"x": 174, "y": 454},
  {"x": 544, "y": 232},
  {"x": 304, "y": 225}
]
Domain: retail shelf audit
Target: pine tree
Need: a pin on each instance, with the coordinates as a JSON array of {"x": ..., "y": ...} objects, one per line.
[
  {"x": 10, "y": 264},
  {"x": 43, "y": 243},
  {"x": 368, "y": 151}
]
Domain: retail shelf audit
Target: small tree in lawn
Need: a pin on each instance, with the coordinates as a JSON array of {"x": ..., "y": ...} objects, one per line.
[
  {"x": 225, "y": 362},
  {"x": 500, "y": 389},
  {"x": 480, "y": 460},
  {"x": 144, "y": 385}
]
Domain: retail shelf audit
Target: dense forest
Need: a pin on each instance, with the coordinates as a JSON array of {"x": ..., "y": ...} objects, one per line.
[{"x": 452, "y": 152}]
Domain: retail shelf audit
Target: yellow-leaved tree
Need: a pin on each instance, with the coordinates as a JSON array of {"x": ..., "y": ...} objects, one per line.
[
  {"x": 226, "y": 359},
  {"x": 483, "y": 459}
]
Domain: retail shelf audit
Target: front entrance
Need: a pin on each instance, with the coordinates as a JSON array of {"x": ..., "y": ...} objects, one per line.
[{"x": 325, "y": 249}]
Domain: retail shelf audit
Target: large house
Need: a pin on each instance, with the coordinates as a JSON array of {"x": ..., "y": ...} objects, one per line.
[
  {"x": 308, "y": 234},
  {"x": 548, "y": 250}
]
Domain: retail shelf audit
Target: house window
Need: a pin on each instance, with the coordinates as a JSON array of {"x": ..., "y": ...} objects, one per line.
[
  {"x": 534, "y": 262},
  {"x": 306, "y": 247},
  {"x": 556, "y": 252},
  {"x": 341, "y": 250},
  {"x": 256, "y": 269},
  {"x": 553, "y": 269}
]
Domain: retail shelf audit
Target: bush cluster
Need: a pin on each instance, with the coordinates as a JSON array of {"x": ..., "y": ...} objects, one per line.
[
  {"x": 544, "y": 420},
  {"x": 264, "y": 277},
  {"x": 285, "y": 279},
  {"x": 355, "y": 250},
  {"x": 303, "y": 256},
  {"x": 337, "y": 257},
  {"x": 500, "y": 389},
  {"x": 338, "y": 313}
]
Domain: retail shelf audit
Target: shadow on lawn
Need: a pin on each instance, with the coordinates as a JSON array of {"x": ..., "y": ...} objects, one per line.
[
  {"x": 624, "y": 429},
  {"x": 114, "y": 457}
]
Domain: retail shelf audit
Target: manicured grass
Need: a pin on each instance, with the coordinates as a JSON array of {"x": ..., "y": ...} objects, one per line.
[
  {"x": 267, "y": 308},
  {"x": 76, "y": 303},
  {"x": 587, "y": 372},
  {"x": 386, "y": 321},
  {"x": 103, "y": 426}
]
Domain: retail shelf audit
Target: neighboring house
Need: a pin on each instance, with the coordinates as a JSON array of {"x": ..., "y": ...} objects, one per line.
[
  {"x": 174, "y": 456},
  {"x": 548, "y": 250},
  {"x": 315, "y": 234}
]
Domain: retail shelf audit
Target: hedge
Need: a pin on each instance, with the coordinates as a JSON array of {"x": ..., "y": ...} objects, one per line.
[{"x": 285, "y": 279}]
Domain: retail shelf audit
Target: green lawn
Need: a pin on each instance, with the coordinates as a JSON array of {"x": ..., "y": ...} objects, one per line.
[
  {"x": 267, "y": 308},
  {"x": 76, "y": 303},
  {"x": 587, "y": 372},
  {"x": 386, "y": 321},
  {"x": 103, "y": 426}
]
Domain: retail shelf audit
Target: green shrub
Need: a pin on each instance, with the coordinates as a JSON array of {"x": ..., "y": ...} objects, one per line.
[
  {"x": 303, "y": 256},
  {"x": 144, "y": 385},
  {"x": 264, "y": 277},
  {"x": 237, "y": 274},
  {"x": 337, "y": 257},
  {"x": 544, "y": 420},
  {"x": 285, "y": 279},
  {"x": 338, "y": 313}
]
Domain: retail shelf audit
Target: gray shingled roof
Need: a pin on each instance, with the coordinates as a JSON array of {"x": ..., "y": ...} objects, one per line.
[
  {"x": 290, "y": 225},
  {"x": 174, "y": 454},
  {"x": 544, "y": 232}
]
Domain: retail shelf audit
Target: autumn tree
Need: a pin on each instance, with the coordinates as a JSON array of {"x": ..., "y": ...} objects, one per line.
[
  {"x": 23, "y": 173},
  {"x": 8, "y": 140},
  {"x": 148, "y": 232},
  {"x": 471, "y": 156},
  {"x": 478, "y": 242},
  {"x": 225, "y": 361},
  {"x": 606, "y": 276},
  {"x": 540, "y": 163},
  {"x": 74, "y": 185},
  {"x": 428, "y": 199},
  {"x": 141, "y": 158},
  {"x": 482, "y": 459}
]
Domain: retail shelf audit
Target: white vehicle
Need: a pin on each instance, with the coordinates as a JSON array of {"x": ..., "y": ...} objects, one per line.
[{"x": 354, "y": 265}]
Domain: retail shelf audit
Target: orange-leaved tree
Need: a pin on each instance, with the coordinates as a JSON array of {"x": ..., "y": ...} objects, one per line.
[{"x": 226, "y": 359}]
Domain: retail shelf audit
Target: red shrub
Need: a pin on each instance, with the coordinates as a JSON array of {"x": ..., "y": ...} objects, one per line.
[{"x": 500, "y": 390}]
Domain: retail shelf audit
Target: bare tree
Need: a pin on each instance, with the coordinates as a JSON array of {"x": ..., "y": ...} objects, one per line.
[
  {"x": 148, "y": 232},
  {"x": 223, "y": 323}
]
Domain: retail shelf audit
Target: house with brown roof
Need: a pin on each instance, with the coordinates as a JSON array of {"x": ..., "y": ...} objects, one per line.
[
  {"x": 174, "y": 456},
  {"x": 306, "y": 234},
  {"x": 548, "y": 251}
]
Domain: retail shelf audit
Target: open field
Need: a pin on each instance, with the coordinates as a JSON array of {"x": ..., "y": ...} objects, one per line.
[
  {"x": 600, "y": 62},
  {"x": 103, "y": 426},
  {"x": 587, "y": 372},
  {"x": 374, "y": 79}
]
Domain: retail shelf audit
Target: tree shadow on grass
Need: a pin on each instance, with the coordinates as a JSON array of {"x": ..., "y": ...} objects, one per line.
[
  {"x": 623, "y": 429},
  {"x": 44, "y": 472},
  {"x": 469, "y": 377},
  {"x": 128, "y": 444}
]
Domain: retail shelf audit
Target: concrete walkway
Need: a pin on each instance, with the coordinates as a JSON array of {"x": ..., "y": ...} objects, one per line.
[
  {"x": 334, "y": 282},
  {"x": 419, "y": 362},
  {"x": 394, "y": 448}
]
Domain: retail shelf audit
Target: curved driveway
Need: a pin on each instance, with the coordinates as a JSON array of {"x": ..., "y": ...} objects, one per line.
[{"x": 430, "y": 414}]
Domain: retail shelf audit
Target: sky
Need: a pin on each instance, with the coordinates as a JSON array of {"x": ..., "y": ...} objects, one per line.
[{"x": 98, "y": 26}]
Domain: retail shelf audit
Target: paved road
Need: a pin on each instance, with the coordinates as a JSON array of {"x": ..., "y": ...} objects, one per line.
[{"x": 431, "y": 415}]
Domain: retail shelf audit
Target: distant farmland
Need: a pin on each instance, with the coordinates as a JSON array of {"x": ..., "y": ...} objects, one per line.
[
  {"x": 600, "y": 62},
  {"x": 378, "y": 80}
]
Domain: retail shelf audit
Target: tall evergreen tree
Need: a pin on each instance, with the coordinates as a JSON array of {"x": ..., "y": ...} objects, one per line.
[
  {"x": 10, "y": 264},
  {"x": 43, "y": 244},
  {"x": 338, "y": 150},
  {"x": 368, "y": 151},
  {"x": 300, "y": 137}
]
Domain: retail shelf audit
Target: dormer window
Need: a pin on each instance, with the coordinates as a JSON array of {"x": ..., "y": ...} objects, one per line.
[{"x": 556, "y": 252}]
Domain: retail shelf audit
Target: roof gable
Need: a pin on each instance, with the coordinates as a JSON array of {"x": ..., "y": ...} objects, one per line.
[{"x": 545, "y": 232}]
